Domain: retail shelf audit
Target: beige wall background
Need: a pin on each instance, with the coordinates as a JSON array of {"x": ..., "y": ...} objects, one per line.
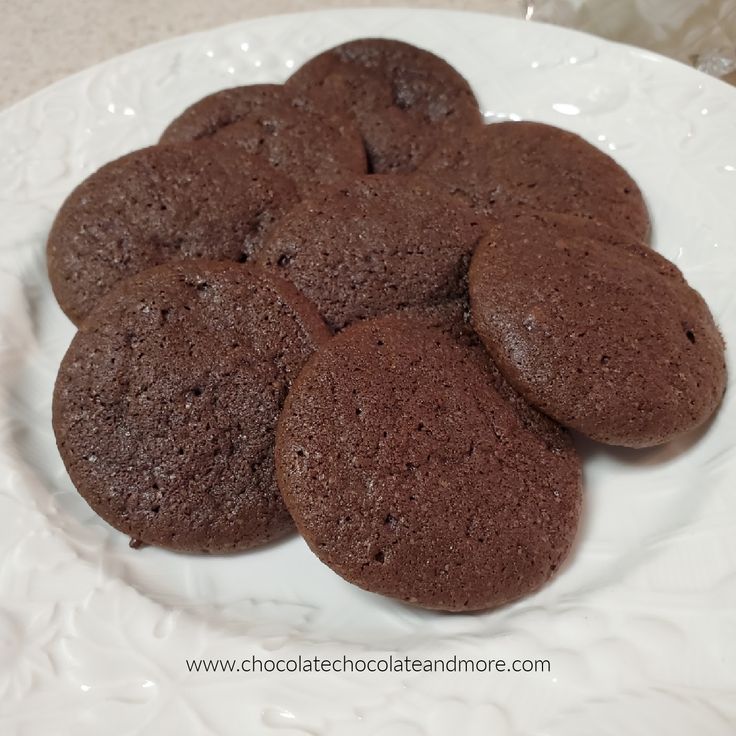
[{"x": 45, "y": 40}]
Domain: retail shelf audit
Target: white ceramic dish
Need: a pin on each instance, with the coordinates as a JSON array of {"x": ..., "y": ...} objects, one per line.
[{"x": 640, "y": 628}]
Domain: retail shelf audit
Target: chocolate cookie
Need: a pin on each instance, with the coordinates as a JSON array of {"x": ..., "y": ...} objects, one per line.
[
  {"x": 411, "y": 476},
  {"x": 310, "y": 149},
  {"x": 166, "y": 403},
  {"x": 374, "y": 245},
  {"x": 536, "y": 166},
  {"x": 225, "y": 107},
  {"x": 189, "y": 200},
  {"x": 453, "y": 319},
  {"x": 609, "y": 341},
  {"x": 404, "y": 98}
]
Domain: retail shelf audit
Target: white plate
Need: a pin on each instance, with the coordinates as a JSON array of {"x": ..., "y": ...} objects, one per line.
[{"x": 640, "y": 628}]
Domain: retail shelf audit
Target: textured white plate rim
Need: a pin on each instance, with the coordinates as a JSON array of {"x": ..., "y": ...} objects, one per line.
[
  {"x": 68, "y": 622},
  {"x": 347, "y": 12}
]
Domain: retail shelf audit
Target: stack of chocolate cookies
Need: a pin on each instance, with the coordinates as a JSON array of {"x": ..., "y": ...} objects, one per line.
[{"x": 346, "y": 305}]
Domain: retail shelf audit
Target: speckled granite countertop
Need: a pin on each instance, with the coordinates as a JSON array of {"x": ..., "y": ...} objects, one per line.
[{"x": 45, "y": 40}]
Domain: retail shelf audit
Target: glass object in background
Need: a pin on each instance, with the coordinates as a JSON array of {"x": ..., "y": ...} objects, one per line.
[{"x": 701, "y": 33}]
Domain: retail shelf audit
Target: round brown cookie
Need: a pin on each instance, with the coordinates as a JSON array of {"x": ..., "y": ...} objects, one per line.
[
  {"x": 453, "y": 319},
  {"x": 310, "y": 149},
  {"x": 166, "y": 402},
  {"x": 409, "y": 475},
  {"x": 163, "y": 203},
  {"x": 403, "y": 98},
  {"x": 537, "y": 166},
  {"x": 208, "y": 115},
  {"x": 611, "y": 342},
  {"x": 374, "y": 245}
]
